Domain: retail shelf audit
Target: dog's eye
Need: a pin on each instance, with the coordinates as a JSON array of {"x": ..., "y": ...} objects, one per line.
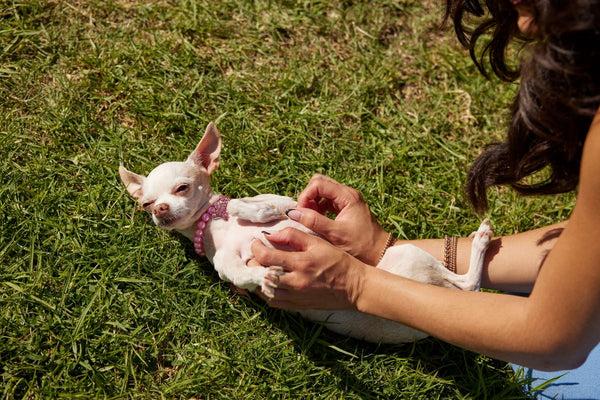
[
  {"x": 182, "y": 188},
  {"x": 147, "y": 204}
]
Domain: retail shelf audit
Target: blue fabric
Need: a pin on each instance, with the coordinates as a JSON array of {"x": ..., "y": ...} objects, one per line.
[{"x": 582, "y": 383}]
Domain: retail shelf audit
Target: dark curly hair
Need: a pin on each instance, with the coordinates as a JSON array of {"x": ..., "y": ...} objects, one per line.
[{"x": 558, "y": 96}]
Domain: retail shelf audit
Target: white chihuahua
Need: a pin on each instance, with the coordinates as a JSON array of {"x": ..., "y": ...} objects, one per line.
[{"x": 178, "y": 195}]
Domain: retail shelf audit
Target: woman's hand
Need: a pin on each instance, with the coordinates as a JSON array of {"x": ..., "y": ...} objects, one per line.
[
  {"x": 319, "y": 275},
  {"x": 354, "y": 228}
]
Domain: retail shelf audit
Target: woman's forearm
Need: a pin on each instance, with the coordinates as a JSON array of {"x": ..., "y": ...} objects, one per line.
[
  {"x": 512, "y": 262},
  {"x": 493, "y": 324}
]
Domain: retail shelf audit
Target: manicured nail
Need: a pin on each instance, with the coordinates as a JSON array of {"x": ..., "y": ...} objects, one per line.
[
  {"x": 293, "y": 214},
  {"x": 266, "y": 233}
]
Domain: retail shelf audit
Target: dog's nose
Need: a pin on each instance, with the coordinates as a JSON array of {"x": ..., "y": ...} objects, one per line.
[{"x": 161, "y": 209}]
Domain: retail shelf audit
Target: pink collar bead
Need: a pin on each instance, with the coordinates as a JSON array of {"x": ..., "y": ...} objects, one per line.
[{"x": 215, "y": 211}]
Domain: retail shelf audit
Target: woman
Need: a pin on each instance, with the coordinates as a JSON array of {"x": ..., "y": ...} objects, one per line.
[{"x": 555, "y": 126}]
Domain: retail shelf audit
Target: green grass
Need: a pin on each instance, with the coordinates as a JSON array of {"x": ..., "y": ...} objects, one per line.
[{"x": 97, "y": 302}]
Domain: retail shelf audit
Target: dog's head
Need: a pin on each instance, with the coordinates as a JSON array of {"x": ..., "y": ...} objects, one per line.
[{"x": 175, "y": 193}]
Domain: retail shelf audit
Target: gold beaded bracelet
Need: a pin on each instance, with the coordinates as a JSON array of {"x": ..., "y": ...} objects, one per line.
[
  {"x": 389, "y": 242},
  {"x": 450, "y": 250}
]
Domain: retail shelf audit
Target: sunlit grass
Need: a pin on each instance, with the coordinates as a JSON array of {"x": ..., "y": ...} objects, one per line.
[{"x": 97, "y": 302}]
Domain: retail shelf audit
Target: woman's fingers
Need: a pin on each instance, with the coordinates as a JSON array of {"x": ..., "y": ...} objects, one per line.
[
  {"x": 313, "y": 220},
  {"x": 280, "y": 295},
  {"x": 283, "y": 299},
  {"x": 267, "y": 256},
  {"x": 290, "y": 239},
  {"x": 322, "y": 187},
  {"x": 319, "y": 187},
  {"x": 253, "y": 263},
  {"x": 288, "y": 281}
]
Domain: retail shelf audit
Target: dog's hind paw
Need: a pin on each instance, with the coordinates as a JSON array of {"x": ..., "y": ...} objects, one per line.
[
  {"x": 483, "y": 235},
  {"x": 271, "y": 281}
]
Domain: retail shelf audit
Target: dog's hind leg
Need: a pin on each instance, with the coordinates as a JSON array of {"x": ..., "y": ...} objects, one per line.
[
  {"x": 410, "y": 261},
  {"x": 260, "y": 209},
  {"x": 481, "y": 240}
]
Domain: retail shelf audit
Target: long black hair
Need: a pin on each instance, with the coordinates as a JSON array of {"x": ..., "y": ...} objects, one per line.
[{"x": 558, "y": 96}]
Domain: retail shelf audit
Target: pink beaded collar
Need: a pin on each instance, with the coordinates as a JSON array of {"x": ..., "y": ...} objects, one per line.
[{"x": 216, "y": 210}]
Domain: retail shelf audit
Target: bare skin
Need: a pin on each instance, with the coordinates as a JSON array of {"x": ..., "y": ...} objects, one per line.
[
  {"x": 526, "y": 21},
  {"x": 505, "y": 267},
  {"x": 554, "y": 328}
]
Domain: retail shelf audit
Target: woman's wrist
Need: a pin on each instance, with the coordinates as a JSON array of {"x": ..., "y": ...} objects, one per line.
[
  {"x": 381, "y": 241},
  {"x": 368, "y": 278},
  {"x": 357, "y": 274}
]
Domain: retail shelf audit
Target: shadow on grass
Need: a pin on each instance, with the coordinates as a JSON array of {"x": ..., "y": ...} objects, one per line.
[{"x": 461, "y": 372}]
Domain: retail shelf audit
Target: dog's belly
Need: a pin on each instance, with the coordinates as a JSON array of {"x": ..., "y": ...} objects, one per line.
[
  {"x": 238, "y": 234},
  {"x": 256, "y": 232}
]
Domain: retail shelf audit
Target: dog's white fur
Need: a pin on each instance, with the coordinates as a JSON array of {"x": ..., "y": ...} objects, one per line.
[{"x": 177, "y": 193}]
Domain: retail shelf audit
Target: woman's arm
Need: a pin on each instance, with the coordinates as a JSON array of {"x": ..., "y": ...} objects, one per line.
[
  {"x": 357, "y": 232},
  {"x": 554, "y": 328},
  {"x": 504, "y": 268},
  {"x": 550, "y": 332}
]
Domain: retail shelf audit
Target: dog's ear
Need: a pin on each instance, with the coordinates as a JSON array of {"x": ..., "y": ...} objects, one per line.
[
  {"x": 132, "y": 181},
  {"x": 206, "y": 154}
]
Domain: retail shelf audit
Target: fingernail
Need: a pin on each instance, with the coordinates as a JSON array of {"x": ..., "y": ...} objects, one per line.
[
  {"x": 293, "y": 214},
  {"x": 266, "y": 233}
]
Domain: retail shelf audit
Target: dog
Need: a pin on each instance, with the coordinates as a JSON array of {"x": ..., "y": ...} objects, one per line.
[{"x": 178, "y": 195}]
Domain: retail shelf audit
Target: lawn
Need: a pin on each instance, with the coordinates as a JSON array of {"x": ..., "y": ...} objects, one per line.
[{"x": 97, "y": 302}]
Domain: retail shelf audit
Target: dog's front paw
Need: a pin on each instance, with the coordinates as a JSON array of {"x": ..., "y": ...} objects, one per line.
[
  {"x": 260, "y": 209},
  {"x": 271, "y": 281}
]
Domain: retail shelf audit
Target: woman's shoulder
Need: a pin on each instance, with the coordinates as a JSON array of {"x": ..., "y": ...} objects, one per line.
[
  {"x": 594, "y": 131},
  {"x": 589, "y": 176}
]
